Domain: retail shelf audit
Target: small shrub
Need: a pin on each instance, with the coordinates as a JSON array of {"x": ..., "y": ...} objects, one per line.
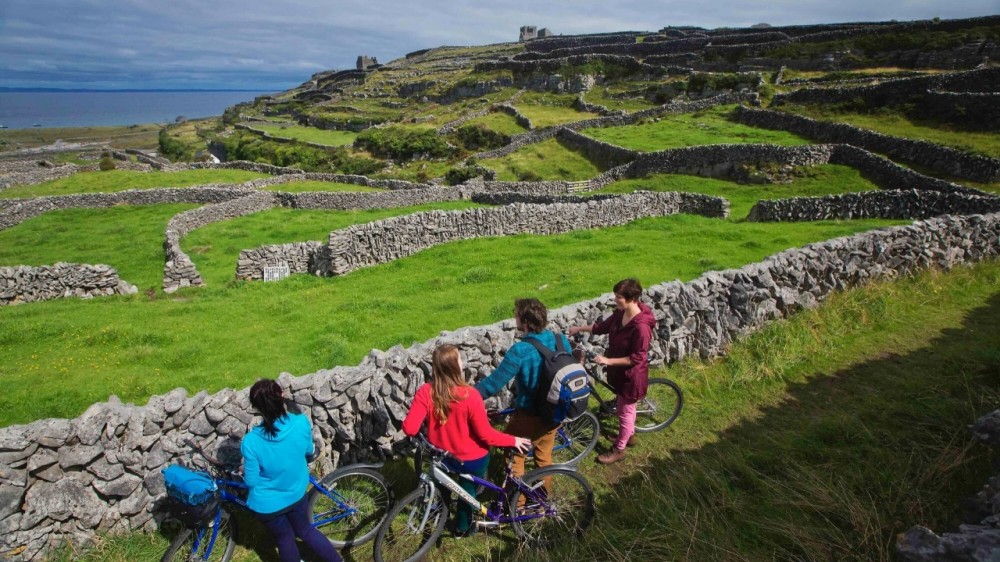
[{"x": 106, "y": 164}]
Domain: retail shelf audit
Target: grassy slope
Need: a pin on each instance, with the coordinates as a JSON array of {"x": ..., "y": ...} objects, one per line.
[
  {"x": 548, "y": 159},
  {"x": 120, "y": 180},
  {"x": 309, "y": 134},
  {"x": 690, "y": 129},
  {"x": 898, "y": 125},
  {"x": 818, "y": 438}
]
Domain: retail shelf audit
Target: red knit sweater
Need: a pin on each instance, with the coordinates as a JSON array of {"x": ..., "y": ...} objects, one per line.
[{"x": 466, "y": 433}]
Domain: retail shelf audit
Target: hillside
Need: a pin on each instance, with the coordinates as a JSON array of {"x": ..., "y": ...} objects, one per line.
[
  {"x": 423, "y": 116},
  {"x": 800, "y": 203}
]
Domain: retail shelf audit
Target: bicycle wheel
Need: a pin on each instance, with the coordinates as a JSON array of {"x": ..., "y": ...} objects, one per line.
[
  {"x": 350, "y": 505},
  {"x": 660, "y": 407},
  {"x": 558, "y": 503},
  {"x": 412, "y": 527},
  {"x": 576, "y": 439},
  {"x": 196, "y": 544}
]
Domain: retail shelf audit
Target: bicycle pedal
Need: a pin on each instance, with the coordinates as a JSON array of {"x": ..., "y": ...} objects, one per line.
[{"x": 487, "y": 524}]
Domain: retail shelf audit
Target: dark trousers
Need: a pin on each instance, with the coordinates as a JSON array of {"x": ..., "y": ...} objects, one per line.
[
  {"x": 477, "y": 467},
  {"x": 294, "y": 521}
]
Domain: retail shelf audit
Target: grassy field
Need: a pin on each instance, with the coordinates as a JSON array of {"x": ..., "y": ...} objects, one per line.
[
  {"x": 690, "y": 129},
  {"x": 818, "y": 438},
  {"x": 126, "y": 136},
  {"x": 987, "y": 144},
  {"x": 499, "y": 122},
  {"x": 119, "y": 180},
  {"x": 62, "y": 356},
  {"x": 309, "y": 134},
  {"x": 546, "y": 160}
]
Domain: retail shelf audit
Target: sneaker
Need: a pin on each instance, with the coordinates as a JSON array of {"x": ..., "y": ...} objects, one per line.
[
  {"x": 612, "y": 456},
  {"x": 631, "y": 439}
]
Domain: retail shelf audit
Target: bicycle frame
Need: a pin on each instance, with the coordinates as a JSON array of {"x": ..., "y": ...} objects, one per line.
[{"x": 493, "y": 514}]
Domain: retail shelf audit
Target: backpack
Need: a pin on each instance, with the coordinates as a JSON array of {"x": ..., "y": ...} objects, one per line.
[
  {"x": 563, "y": 393},
  {"x": 189, "y": 487}
]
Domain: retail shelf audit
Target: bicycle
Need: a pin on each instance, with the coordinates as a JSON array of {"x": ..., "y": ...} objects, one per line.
[
  {"x": 557, "y": 503},
  {"x": 660, "y": 408},
  {"x": 347, "y": 506},
  {"x": 574, "y": 439}
]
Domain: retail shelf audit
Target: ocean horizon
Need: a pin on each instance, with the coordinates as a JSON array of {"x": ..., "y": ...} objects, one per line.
[{"x": 48, "y": 108}]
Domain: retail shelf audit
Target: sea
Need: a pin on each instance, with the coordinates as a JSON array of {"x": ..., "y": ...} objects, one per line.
[{"x": 25, "y": 110}]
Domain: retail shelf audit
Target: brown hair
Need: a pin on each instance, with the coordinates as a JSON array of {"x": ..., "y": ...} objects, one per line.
[
  {"x": 532, "y": 313},
  {"x": 446, "y": 375},
  {"x": 629, "y": 289}
]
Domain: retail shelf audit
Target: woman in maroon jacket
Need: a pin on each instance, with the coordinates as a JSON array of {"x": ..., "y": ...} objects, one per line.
[{"x": 629, "y": 329}]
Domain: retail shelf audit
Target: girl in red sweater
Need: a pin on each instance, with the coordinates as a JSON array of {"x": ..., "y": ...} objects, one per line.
[{"x": 457, "y": 422}]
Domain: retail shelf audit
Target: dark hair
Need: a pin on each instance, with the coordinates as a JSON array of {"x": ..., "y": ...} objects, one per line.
[
  {"x": 629, "y": 289},
  {"x": 266, "y": 398},
  {"x": 532, "y": 313}
]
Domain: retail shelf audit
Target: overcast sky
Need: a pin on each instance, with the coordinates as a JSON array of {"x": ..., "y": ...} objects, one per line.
[{"x": 275, "y": 45}]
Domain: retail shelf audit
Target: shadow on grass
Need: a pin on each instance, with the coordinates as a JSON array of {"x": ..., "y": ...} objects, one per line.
[{"x": 846, "y": 461}]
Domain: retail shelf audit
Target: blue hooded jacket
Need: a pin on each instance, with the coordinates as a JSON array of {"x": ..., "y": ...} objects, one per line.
[
  {"x": 275, "y": 468},
  {"x": 525, "y": 363}
]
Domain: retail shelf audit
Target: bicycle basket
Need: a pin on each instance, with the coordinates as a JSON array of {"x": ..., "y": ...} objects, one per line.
[{"x": 192, "y": 515}]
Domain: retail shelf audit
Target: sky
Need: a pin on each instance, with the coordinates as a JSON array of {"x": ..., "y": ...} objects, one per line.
[{"x": 270, "y": 45}]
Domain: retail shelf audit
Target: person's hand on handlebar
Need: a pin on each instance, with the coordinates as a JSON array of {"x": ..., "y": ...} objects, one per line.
[{"x": 522, "y": 444}]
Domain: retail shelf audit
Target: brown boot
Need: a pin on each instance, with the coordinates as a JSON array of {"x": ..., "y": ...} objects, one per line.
[
  {"x": 614, "y": 455},
  {"x": 614, "y": 439}
]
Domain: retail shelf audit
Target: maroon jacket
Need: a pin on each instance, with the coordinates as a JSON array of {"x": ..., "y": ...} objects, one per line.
[{"x": 632, "y": 341}]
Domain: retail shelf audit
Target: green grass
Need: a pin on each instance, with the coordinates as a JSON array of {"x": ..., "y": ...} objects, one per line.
[
  {"x": 898, "y": 125},
  {"x": 125, "y": 136},
  {"x": 309, "y": 134},
  {"x": 601, "y": 96},
  {"x": 128, "y": 238},
  {"x": 547, "y": 160},
  {"x": 546, "y": 110},
  {"x": 690, "y": 129},
  {"x": 120, "y": 180},
  {"x": 312, "y": 185},
  {"x": 817, "y": 438},
  {"x": 61, "y": 356},
  {"x": 826, "y": 179},
  {"x": 499, "y": 122},
  {"x": 217, "y": 262}
]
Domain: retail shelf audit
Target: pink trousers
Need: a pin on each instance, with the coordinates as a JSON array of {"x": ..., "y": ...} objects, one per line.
[{"x": 626, "y": 421}]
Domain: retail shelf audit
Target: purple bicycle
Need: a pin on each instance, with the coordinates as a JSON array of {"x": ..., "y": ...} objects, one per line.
[{"x": 545, "y": 506}]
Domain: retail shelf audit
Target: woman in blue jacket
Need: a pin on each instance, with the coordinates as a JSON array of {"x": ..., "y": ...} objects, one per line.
[{"x": 276, "y": 470}]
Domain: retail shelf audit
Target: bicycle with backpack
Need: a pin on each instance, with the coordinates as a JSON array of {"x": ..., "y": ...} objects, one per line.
[{"x": 347, "y": 506}]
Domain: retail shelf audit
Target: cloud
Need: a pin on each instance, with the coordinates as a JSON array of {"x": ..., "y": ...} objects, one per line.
[{"x": 277, "y": 45}]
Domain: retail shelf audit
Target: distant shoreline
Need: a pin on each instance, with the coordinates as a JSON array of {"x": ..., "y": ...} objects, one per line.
[{"x": 129, "y": 90}]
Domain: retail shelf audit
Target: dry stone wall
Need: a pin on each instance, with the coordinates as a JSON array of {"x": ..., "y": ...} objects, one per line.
[
  {"x": 22, "y": 284},
  {"x": 910, "y": 204},
  {"x": 68, "y": 479},
  {"x": 977, "y": 538},
  {"x": 892, "y": 92},
  {"x": 179, "y": 271},
  {"x": 386, "y": 240},
  {"x": 16, "y": 211},
  {"x": 939, "y": 158}
]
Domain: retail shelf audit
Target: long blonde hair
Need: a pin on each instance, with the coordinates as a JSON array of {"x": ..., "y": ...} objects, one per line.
[{"x": 446, "y": 375}]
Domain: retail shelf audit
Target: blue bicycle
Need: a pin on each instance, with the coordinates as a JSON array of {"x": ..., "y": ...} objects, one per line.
[
  {"x": 347, "y": 506},
  {"x": 574, "y": 439}
]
